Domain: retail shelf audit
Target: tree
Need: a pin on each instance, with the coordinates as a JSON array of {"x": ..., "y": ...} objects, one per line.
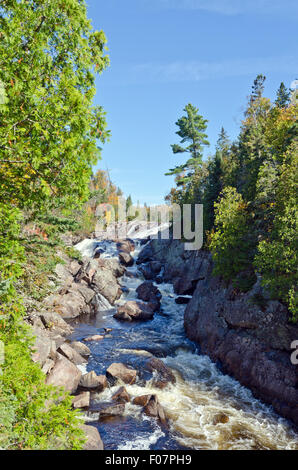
[
  {"x": 231, "y": 244},
  {"x": 214, "y": 182},
  {"x": 258, "y": 88},
  {"x": 49, "y": 127},
  {"x": 192, "y": 133},
  {"x": 283, "y": 96},
  {"x": 276, "y": 258}
]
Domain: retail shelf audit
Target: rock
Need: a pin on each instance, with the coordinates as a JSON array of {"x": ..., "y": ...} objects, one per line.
[
  {"x": 81, "y": 348},
  {"x": 107, "y": 410},
  {"x": 182, "y": 300},
  {"x": 64, "y": 374},
  {"x": 220, "y": 418},
  {"x": 126, "y": 259},
  {"x": 95, "y": 338},
  {"x": 54, "y": 321},
  {"x": 164, "y": 373},
  {"x": 94, "y": 441},
  {"x": 93, "y": 381},
  {"x": 142, "y": 400},
  {"x": 106, "y": 284},
  {"x": 48, "y": 366},
  {"x": 69, "y": 306},
  {"x": 71, "y": 354},
  {"x": 118, "y": 371},
  {"x": 113, "y": 265},
  {"x": 126, "y": 246},
  {"x": 132, "y": 311},
  {"x": 149, "y": 293},
  {"x": 155, "y": 410},
  {"x": 121, "y": 395},
  {"x": 42, "y": 346},
  {"x": 82, "y": 400}
]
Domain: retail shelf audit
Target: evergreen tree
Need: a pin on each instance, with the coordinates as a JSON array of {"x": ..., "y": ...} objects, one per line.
[
  {"x": 283, "y": 96},
  {"x": 192, "y": 129}
]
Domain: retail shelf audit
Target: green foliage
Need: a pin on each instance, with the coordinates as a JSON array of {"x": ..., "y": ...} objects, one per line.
[
  {"x": 277, "y": 259},
  {"x": 231, "y": 245},
  {"x": 49, "y": 126}
]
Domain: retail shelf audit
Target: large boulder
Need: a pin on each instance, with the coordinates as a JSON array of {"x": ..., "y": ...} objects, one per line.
[
  {"x": 64, "y": 374},
  {"x": 94, "y": 441},
  {"x": 126, "y": 246},
  {"x": 118, "y": 371},
  {"x": 54, "y": 322},
  {"x": 42, "y": 347},
  {"x": 108, "y": 410},
  {"x": 105, "y": 283},
  {"x": 132, "y": 311}
]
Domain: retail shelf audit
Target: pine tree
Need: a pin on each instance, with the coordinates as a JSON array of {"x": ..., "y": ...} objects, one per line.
[
  {"x": 192, "y": 132},
  {"x": 283, "y": 96}
]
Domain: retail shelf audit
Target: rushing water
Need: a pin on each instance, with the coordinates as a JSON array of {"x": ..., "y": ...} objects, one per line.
[{"x": 206, "y": 409}]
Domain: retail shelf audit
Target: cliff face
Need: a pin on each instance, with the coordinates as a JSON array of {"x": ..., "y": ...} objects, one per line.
[{"x": 250, "y": 342}]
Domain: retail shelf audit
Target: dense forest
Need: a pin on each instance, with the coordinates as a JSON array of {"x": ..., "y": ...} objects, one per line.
[
  {"x": 49, "y": 137},
  {"x": 249, "y": 192}
]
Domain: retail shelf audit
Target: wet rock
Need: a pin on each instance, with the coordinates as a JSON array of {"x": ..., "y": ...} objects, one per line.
[
  {"x": 113, "y": 265},
  {"x": 135, "y": 311},
  {"x": 164, "y": 375},
  {"x": 155, "y": 410},
  {"x": 64, "y": 374},
  {"x": 142, "y": 400},
  {"x": 126, "y": 259},
  {"x": 121, "y": 396},
  {"x": 81, "y": 401},
  {"x": 112, "y": 409},
  {"x": 220, "y": 418},
  {"x": 71, "y": 354},
  {"x": 149, "y": 293},
  {"x": 118, "y": 371},
  {"x": 95, "y": 338},
  {"x": 94, "y": 441},
  {"x": 126, "y": 246},
  {"x": 94, "y": 382},
  {"x": 81, "y": 348}
]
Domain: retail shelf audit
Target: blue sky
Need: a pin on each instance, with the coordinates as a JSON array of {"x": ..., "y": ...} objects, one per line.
[{"x": 167, "y": 53}]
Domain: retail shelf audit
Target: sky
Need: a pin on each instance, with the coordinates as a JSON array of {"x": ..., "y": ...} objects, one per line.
[{"x": 167, "y": 53}]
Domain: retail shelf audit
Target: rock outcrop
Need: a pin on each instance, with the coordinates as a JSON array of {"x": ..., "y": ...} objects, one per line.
[{"x": 135, "y": 311}]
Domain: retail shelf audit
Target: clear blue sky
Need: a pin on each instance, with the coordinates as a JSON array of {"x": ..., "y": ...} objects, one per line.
[{"x": 167, "y": 53}]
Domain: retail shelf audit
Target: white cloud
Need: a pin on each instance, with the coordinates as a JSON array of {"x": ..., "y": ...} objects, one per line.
[{"x": 196, "y": 71}]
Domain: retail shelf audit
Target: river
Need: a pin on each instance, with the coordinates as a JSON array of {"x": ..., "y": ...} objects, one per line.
[{"x": 206, "y": 409}]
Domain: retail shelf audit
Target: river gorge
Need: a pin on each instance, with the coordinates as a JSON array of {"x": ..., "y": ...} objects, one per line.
[{"x": 205, "y": 408}]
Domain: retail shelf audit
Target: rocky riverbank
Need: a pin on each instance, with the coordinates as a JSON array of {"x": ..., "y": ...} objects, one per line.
[
  {"x": 83, "y": 288},
  {"x": 247, "y": 335}
]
